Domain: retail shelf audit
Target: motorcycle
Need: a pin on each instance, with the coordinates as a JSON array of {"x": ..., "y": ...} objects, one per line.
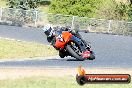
[{"x": 69, "y": 44}]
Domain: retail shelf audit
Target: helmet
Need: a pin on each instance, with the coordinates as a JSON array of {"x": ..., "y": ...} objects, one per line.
[{"x": 47, "y": 29}]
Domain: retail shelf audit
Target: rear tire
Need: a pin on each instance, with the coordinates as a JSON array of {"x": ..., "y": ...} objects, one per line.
[{"x": 72, "y": 53}]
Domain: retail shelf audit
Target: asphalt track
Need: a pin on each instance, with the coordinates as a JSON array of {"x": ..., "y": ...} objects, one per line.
[
  {"x": 110, "y": 50},
  {"x": 24, "y": 34}
]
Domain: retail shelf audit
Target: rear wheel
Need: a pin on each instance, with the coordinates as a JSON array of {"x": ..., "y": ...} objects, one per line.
[{"x": 73, "y": 53}]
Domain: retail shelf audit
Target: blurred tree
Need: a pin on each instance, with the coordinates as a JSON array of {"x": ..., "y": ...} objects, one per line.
[
  {"x": 114, "y": 10},
  {"x": 131, "y": 1},
  {"x": 45, "y": 2},
  {"x": 130, "y": 12},
  {"x": 75, "y": 7},
  {"x": 23, "y": 4}
]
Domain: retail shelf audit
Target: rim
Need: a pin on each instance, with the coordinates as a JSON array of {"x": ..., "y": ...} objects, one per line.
[{"x": 76, "y": 49}]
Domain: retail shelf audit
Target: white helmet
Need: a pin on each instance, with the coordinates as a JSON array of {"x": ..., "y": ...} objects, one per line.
[
  {"x": 47, "y": 27},
  {"x": 48, "y": 30}
]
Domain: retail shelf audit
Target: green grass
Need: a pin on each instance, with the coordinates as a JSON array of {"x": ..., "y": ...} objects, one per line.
[
  {"x": 54, "y": 82},
  {"x": 41, "y": 7},
  {"x": 44, "y": 8},
  {"x": 3, "y": 3},
  {"x": 19, "y": 49}
]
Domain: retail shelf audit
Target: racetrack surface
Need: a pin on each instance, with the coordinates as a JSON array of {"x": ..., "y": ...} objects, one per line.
[
  {"x": 24, "y": 34},
  {"x": 110, "y": 50}
]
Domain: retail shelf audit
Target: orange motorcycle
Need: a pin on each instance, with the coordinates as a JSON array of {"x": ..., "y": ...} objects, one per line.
[{"x": 71, "y": 45}]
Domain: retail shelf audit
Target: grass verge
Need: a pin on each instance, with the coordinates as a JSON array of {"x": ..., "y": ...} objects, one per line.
[
  {"x": 3, "y": 3},
  {"x": 54, "y": 82},
  {"x": 18, "y": 49},
  {"x": 54, "y": 77}
]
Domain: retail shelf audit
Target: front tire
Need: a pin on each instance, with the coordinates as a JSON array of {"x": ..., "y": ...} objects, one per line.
[
  {"x": 61, "y": 54},
  {"x": 74, "y": 54},
  {"x": 92, "y": 56}
]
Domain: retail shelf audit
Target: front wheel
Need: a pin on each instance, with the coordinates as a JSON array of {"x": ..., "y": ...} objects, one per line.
[
  {"x": 73, "y": 53},
  {"x": 61, "y": 54},
  {"x": 92, "y": 56}
]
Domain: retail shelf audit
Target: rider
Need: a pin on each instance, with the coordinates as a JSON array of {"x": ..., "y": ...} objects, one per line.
[
  {"x": 52, "y": 33},
  {"x": 49, "y": 31}
]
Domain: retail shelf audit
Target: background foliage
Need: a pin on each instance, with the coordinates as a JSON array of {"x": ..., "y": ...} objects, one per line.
[
  {"x": 75, "y": 7},
  {"x": 26, "y": 4},
  {"x": 104, "y": 9}
]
